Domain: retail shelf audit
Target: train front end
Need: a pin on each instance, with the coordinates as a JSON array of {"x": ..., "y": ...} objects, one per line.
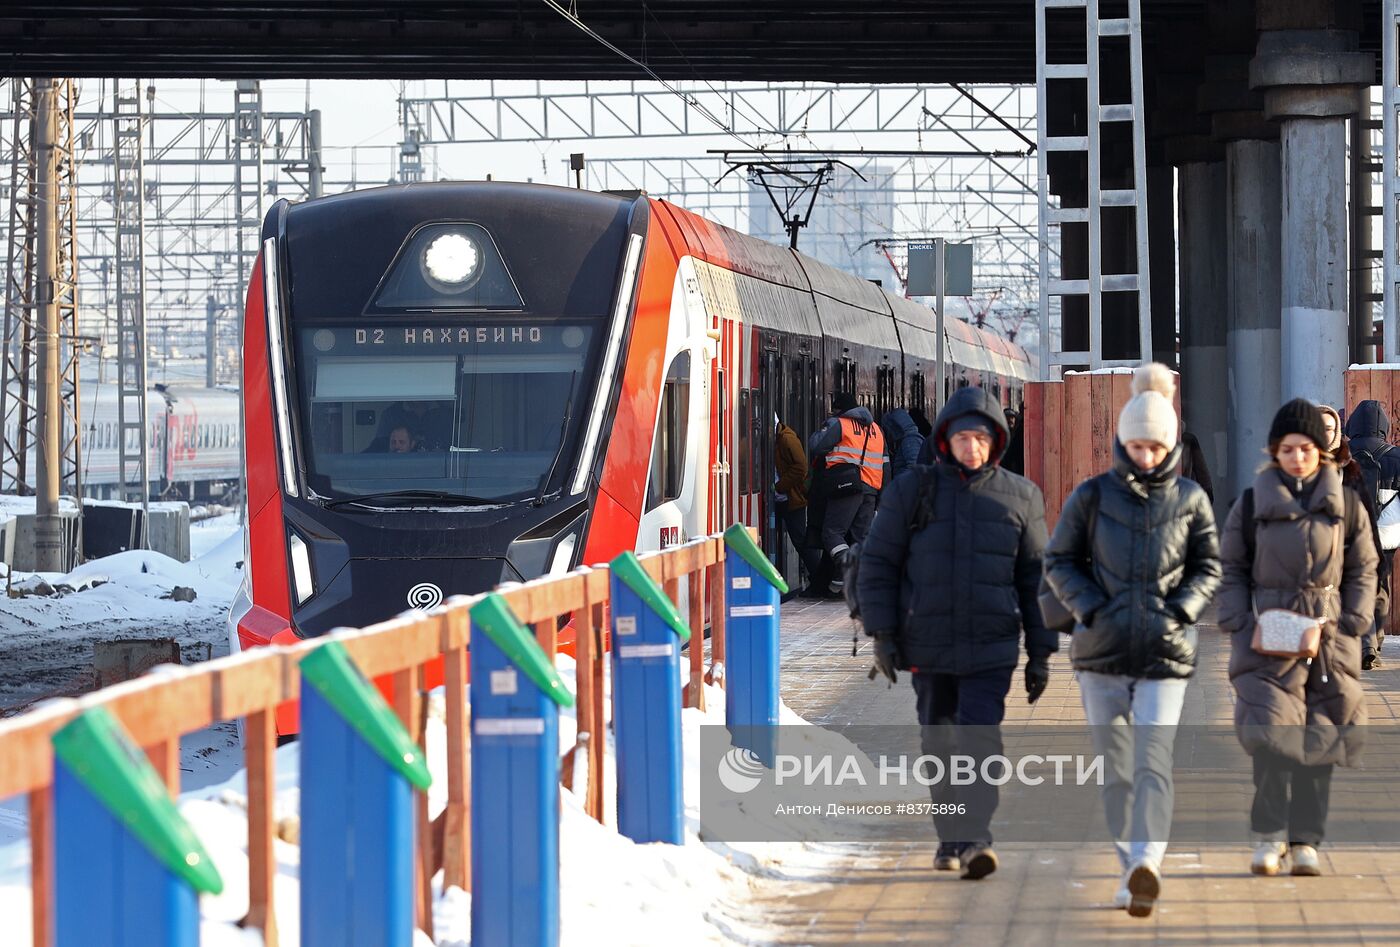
[{"x": 428, "y": 375}]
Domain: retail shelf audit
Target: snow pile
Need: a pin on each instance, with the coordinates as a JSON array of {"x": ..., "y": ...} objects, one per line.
[
  {"x": 612, "y": 889},
  {"x": 50, "y": 634}
]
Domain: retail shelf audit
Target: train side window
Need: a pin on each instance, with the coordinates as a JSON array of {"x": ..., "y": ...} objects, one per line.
[{"x": 668, "y": 452}]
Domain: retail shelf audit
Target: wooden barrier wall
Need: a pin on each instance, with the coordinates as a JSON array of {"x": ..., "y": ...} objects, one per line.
[
  {"x": 1379, "y": 383},
  {"x": 156, "y": 710},
  {"x": 1069, "y": 430}
]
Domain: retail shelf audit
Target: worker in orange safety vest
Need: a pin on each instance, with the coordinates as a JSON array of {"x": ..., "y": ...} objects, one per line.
[{"x": 852, "y": 469}]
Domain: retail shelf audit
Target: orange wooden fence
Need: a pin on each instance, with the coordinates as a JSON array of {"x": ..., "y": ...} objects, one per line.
[
  {"x": 157, "y": 710},
  {"x": 1070, "y": 426}
]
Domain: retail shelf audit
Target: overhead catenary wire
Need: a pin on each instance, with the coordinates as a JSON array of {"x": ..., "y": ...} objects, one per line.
[{"x": 695, "y": 103}]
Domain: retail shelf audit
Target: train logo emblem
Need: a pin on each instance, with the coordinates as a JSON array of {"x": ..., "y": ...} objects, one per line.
[
  {"x": 740, "y": 770},
  {"x": 424, "y": 596}
]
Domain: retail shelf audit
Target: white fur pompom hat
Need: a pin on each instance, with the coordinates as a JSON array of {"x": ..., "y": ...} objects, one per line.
[{"x": 1149, "y": 414}]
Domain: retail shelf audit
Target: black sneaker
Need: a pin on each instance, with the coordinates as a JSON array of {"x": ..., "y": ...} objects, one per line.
[
  {"x": 1370, "y": 660},
  {"x": 947, "y": 858},
  {"x": 978, "y": 861}
]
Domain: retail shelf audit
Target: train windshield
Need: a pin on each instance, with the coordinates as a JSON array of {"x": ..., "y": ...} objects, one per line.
[{"x": 476, "y": 411}]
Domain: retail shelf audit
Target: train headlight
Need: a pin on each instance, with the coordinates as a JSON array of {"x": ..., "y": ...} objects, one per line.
[
  {"x": 451, "y": 262},
  {"x": 302, "y": 581}
]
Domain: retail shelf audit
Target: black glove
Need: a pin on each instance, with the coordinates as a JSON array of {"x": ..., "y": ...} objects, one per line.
[
  {"x": 886, "y": 657},
  {"x": 1037, "y": 676}
]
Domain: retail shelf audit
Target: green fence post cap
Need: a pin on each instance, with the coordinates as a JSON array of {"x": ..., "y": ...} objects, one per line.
[
  {"x": 738, "y": 539},
  {"x": 103, "y": 758},
  {"x": 629, "y": 569},
  {"x": 495, "y": 618},
  {"x": 337, "y": 679}
]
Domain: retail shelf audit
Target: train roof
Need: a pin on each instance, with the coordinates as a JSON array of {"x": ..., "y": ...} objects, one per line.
[{"x": 968, "y": 345}]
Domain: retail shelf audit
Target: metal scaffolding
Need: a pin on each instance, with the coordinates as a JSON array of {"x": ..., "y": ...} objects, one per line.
[
  {"x": 129, "y": 206},
  {"x": 28, "y": 287},
  {"x": 16, "y": 368},
  {"x": 489, "y": 111},
  {"x": 200, "y": 172},
  {"x": 1100, "y": 33},
  {"x": 971, "y": 178}
]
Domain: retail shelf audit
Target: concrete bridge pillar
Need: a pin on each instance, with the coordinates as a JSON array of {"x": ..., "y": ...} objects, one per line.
[
  {"x": 1310, "y": 74},
  {"x": 1201, "y": 209},
  {"x": 1253, "y": 252},
  {"x": 1253, "y": 336}
]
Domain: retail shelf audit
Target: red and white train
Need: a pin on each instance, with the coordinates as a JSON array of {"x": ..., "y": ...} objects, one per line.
[
  {"x": 452, "y": 385},
  {"x": 192, "y": 442}
]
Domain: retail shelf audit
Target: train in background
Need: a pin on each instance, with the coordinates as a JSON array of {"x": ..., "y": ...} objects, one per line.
[
  {"x": 192, "y": 443},
  {"x": 452, "y": 385}
]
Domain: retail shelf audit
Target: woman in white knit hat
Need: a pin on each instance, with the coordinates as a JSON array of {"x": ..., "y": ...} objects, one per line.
[{"x": 1135, "y": 559}]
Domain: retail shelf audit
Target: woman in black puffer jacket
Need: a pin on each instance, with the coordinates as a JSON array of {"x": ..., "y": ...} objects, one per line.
[{"x": 1134, "y": 557}]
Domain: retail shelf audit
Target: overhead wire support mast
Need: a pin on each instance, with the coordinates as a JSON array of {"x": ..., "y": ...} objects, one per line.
[
  {"x": 57, "y": 435},
  {"x": 16, "y": 360},
  {"x": 129, "y": 207}
]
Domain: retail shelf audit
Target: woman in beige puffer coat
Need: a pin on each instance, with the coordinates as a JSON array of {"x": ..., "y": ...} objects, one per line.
[{"x": 1310, "y": 552}]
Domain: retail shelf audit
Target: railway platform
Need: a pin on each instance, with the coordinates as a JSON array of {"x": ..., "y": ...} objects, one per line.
[{"x": 886, "y": 892}]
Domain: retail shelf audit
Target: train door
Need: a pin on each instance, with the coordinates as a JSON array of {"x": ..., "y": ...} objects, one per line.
[
  {"x": 770, "y": 399},
  {"x": 676, "y": 505},
  {"x": 736, "y": 409}
]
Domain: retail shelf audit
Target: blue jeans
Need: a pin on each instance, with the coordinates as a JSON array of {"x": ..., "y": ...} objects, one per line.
[{"x": 1137, "y": 790}]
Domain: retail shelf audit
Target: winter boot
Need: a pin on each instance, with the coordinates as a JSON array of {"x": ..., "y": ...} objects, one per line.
[
  {"x": 1144, "y": 884},
  {"x": 1304, "y": 860},
  {"x": 838, "y": 572},
  {"x": 1268, "y": 858},
  {"x": 978, "y": 861},
  {"x": 947, "y": 858}
]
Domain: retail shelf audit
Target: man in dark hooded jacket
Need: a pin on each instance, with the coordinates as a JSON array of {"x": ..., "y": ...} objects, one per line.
[
  {"x": 1368, "y": 440},
  {"x": 948, "y": 581},
  {"x": 1368, "y": 433},
  {"x": 902, "y": 440}
]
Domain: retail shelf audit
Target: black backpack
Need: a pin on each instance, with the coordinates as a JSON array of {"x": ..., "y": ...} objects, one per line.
[{"x": 1370, "y": 465}]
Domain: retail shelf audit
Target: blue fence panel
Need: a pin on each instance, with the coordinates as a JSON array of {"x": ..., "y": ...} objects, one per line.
[
  {"x": 646, "y": 694},
  {"x": 751, "y": 658},
  {"x": 515, "y": 803},
  {"x": 356, "y": 836},
  {"x": 110, "y": 890}
]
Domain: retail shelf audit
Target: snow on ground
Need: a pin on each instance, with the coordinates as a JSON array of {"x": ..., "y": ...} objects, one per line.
[
  {"x": 46, "y": 641},
  {"x": 613, "y": 891}
]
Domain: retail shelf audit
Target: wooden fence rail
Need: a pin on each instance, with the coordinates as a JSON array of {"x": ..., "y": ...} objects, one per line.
[{"x": 157, "y": 710}]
